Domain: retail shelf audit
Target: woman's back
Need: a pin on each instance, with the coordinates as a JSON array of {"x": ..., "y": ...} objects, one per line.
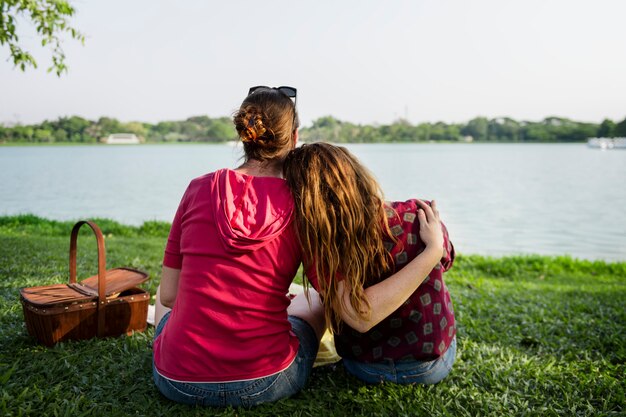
[
  {"x": 232, "y": 336},
  {"x": 234, "y": 242}
]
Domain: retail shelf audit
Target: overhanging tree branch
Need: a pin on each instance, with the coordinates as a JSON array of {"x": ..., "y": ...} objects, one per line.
[{"x": 51, "y": 21}]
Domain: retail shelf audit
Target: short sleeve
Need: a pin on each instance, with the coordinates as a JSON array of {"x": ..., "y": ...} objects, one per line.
[
  {"x": 173, "y": 257},
  {"x": 311, "y": 275}
]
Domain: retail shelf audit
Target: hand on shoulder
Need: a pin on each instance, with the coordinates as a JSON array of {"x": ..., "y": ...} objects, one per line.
[{"x": 431, "y": 231}]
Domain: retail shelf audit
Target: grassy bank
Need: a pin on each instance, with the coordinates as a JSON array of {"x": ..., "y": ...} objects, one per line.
[{"x": 537, "y": 336}]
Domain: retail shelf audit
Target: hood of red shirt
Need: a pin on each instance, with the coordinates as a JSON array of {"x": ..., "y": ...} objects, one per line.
[{"x": 250, "y": 211}]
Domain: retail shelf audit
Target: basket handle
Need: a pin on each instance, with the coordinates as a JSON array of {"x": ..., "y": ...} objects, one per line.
[{"x": 101, "y": 268}]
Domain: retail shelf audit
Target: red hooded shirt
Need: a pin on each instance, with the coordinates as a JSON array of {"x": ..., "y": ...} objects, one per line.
[{"x": 234, "y": 241}]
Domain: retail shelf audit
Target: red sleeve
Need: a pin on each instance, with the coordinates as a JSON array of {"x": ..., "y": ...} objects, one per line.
[
  {"x": 172, "y": 257},
  {"x": 311, "y": 274},
  {"x": 448, "y": 250}
]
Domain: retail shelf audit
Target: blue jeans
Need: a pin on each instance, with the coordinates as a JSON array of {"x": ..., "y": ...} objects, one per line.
[
  {"x": 411, "y": 372},
  {"x": 251, "y": 392}
]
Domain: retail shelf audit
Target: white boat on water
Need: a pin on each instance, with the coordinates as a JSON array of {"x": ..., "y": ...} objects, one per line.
[{"x": 607, "y": 143}]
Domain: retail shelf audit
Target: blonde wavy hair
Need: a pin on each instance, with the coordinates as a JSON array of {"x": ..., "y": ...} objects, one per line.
[{"x": 341, "y": 224}]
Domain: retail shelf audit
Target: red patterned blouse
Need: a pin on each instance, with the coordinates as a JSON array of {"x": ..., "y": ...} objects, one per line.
[{"x": 424, "y": 326}]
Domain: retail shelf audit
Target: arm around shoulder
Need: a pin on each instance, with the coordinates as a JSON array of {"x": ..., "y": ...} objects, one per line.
[{"x": 388, "y": 295}]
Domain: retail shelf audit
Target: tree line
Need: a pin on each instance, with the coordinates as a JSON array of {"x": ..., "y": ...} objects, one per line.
[
  {"x": 480, "y": 129},
  {"x": 76, "y": 129}
]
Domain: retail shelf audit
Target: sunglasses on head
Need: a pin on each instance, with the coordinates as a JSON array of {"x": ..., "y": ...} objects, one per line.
[{"x": 288, "y": 91}]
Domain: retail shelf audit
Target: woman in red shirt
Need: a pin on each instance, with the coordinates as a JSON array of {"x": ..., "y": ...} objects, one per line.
[
  {"x": 233, "y": 337},
  {"x": 378, "y": 268}
]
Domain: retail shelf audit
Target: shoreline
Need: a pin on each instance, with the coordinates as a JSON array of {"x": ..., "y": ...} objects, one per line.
[
  {"x": 235, "y": 143},
  {"x": 33, "y": 225}
]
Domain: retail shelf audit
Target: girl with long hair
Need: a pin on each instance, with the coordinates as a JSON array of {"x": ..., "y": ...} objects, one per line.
[
  {"x": 233, "y": 337},
  {"x": 378, "y": 268}
]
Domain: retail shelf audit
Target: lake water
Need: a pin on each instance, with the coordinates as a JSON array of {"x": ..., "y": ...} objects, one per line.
[{"x": 496, "y": 199}]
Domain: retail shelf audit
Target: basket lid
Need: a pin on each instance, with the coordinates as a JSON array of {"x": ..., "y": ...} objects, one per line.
[
  {"x": 57, "y": 294},
  {"x": 117, "y": 280}
]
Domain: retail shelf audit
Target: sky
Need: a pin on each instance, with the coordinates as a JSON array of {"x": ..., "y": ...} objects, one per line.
[{"x": 368, "y": 62}]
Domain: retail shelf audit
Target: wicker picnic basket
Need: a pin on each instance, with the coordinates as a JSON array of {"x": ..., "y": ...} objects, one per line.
[{"x": 106, "y": 304}]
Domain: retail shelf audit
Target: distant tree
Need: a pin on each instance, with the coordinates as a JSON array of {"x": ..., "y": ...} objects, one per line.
[
  {"x": 221, "y": 129},
  {"x": 580, "y": 132},
  {"x": 43, "y": 135},
  {"x": 201, "y": 120},
  {"x": 74, "y": 127},
  {"x": 368, "y": 133},
  {"x": 175, "y": 137},
  {"x": 606, "y": 129},
  {"x": 107, "y": 126},
  {"x": 137, "y": 128},
  {"x": 477, "y": 128},
  {"x": 504, "y": 129},
  {"x": 398, "y": 131},
  {"x": 60, "y": 135},
  {"x": 192, "y": 130},
  {"x": 441, "y": 131},
  {"x": 535, "y": 132},
  {"x": 325, "y": 122},
  {"x": 325, "y": 128},
  {"x": 93, "y": 132},
  {"x": 51, "y": 21},
  {"x": 423, "y": 131},
  {"x": 620, "y": 129},
  {"x": 73, "y": 124},
  {"x": 165, "y": 131}
]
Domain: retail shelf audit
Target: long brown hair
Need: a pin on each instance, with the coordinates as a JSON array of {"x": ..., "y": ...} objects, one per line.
[
  {"x": 341, "y": 223},
  {"x": 266, "y": 123}
]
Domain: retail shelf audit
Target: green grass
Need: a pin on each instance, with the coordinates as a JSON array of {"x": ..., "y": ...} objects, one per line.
[{"x": 537, "y": 336}]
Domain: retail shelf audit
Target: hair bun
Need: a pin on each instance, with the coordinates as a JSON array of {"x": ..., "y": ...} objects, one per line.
[{"x": 249, "y": 124}]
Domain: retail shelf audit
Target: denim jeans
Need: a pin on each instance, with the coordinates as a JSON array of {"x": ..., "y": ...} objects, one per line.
[
  {"x": 251, "y": 392},
  {"x": 410, "y": 372}
]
